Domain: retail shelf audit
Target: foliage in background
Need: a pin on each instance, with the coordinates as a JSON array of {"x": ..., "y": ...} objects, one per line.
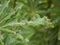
[{"x": 29, "y": 22}]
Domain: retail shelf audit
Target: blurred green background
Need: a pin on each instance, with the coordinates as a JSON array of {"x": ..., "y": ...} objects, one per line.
[{"x": 29, "y": 22}]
